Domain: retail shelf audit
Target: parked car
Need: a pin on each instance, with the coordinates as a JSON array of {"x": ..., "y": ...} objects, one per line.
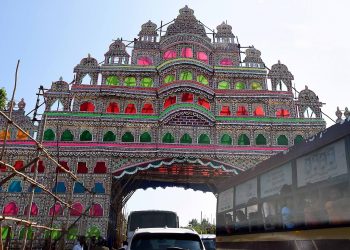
[
  {"x": 209, "y": 241},
  {"x": 165, "y": 239}
]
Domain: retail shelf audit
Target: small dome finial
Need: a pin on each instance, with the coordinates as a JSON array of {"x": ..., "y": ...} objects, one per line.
[
  {"x": 21, "y": 105},
  {"x": 61, "y": 78}
]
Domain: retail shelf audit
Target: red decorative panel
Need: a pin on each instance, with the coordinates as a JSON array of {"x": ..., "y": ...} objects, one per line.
[
  {"x": 187, "y": 97},
  {"x": 147, "y": 109},
  {"x": 10, "y": 209},
  {"x": 87, "y": 106},
  {"x": 113, "y": 107},
  {"x": 64, "y": 165},
  {"x": 225, "y": 111},
  {"x": 82, "y": 168},
  {"x": 77, "y": 209},
  {"x": 187, "y": 52},
  {"x": 169, "y": 101},
  {"x": 130, "y": 109},
  {"x": 169, "y": 54},
  {"x": 204, "y": 103},
  {"x": 242, "y": 111},
  {"x": 144, "y": 60},
  {"x": 100, "y": 167}
]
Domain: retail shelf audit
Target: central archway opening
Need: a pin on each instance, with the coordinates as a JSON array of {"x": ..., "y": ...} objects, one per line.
[
  {"x": 187, "y": 203},
  {"x": 168, "y": 184}
]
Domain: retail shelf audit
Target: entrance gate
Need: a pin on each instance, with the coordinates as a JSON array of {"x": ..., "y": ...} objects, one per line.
[{"x": 189, "y": 173}]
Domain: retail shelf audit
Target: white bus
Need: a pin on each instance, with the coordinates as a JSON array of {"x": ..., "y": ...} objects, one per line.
[{"x": 151, "y": 219}]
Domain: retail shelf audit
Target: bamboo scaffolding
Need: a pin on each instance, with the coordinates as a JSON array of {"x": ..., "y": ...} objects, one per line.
[
  {"x": 41, "y": 151},
  {"x": 39, "y": 146},
  {"x": 35, "y": 183},
  {"x": 27, "y": 223}
]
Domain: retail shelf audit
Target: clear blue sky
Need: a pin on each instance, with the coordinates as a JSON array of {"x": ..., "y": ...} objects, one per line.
[{"x": 50, "y": 37}]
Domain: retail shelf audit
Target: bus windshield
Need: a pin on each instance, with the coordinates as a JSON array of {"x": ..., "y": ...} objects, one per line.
[{"x": 152, "y": 219}]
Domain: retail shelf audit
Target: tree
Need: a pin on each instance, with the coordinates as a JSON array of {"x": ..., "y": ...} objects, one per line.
[
  {"x": 205, "y": 227},
  {"x": 3, "y": 98}
]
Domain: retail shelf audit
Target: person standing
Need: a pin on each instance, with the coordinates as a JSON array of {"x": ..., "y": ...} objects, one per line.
[{"x": 80, "y": 244}]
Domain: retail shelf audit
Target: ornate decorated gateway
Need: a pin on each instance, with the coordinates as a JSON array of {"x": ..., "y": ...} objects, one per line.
[{"x": 183, "y": 110}]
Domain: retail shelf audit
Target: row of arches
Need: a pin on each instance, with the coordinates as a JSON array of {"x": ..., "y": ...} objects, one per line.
[
  {"x": 187, "y": 52},
  {"x": 243, "y": 139},
  {"x": 186, "y": 98},
  {"x": 130, "y": 108},
  {"x": 113, "y": 107},
  {"x": 99, "y": 168},
  {"x": 242, "y": 110},
  {"x": 72, "y": 234},
  {"x": 19, "y": 135},
  {"x": 223, "y": 84},
  {"x": 16, "y": 186},
  {"x": 184, "y": 52},
  {"x": 226, "y": 139},
  {"x": 147, "y": 108},
  {"x": 148, "y": 82},
  {"x": 12, "y": 209},
  {"x": 130, "y": 81}
]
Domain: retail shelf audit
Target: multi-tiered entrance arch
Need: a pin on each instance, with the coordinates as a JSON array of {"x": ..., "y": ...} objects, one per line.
[{"x": 184, "y": 109}]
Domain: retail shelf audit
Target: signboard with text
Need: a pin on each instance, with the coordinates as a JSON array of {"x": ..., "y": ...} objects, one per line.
[
  {"x": 272, "y": 181},
  {"x": 325, "y": 163},
  {"x": 225, "y": 200},
  {"x": 246, "y": 191}
]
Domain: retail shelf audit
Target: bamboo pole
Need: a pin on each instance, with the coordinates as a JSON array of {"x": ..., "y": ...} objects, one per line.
[
  {"x": 30, "y": 203},
  {"x": 10, "y": 113}
]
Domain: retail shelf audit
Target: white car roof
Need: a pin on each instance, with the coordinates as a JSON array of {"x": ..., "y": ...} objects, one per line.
[{"x": 165, "y": 230}]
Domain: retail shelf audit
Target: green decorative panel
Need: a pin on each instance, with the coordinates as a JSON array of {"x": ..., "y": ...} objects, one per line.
[
  {"x": 202, "y": 79},
  {"x": 93, "y": 232},
  {"x": 67, "y": 136},
  {"x": 29, "y": 233},
  {"x": 147, "y": 82},
  {"x": 243, "y": 139},
  {"x": 109, "y": 136},
  {"x": 186, "y": 138},
  {"x": 49, "y": 135},
  {"x": 239, "y": 85},
  {"x": 128, "y": 137},
  {"x": 169, "y": 79},
  {"x": 54, "y": 234},
  {"x": 226, "y": 140},
  {"x": 260, "y": 140},
  {"x": 186, "y": 75},
  {"x": 130, "y": 81},
  {"x": 168, "y": 138},
  {"x": 145, "y": 137},
  {"x": 86, "y": 136},
  {"x": 256, "y": 86},
  {"x": 72, "y": 233},
  {"x": 223, "y": 85},
  {"x": 112, "y": 80},
  {"x": 298, "y": 139},
  {"x": 203, "y": 139},
  {"x": 282, "y": 140}
]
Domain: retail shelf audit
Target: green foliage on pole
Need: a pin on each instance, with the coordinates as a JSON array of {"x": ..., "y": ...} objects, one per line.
[{"x": 3, "y": 98}]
